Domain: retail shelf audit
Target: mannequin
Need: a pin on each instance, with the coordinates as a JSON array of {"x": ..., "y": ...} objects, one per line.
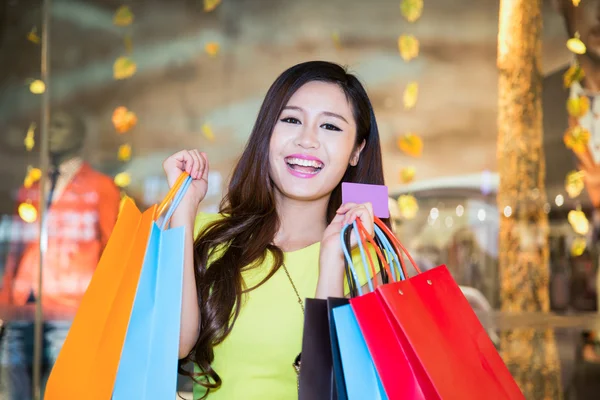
[{"x": 82, "y": 209}]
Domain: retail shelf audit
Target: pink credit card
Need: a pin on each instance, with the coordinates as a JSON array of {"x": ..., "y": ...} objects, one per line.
[{"x": 377, "y": 195}]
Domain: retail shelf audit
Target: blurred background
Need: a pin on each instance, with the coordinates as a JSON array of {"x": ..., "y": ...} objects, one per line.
[{"x": 130, "y": 82}]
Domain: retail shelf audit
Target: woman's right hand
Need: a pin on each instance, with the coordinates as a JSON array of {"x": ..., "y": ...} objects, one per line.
[{"x": 194, "y": 163}]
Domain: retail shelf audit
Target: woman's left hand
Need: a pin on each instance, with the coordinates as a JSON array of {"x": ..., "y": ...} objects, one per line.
[
  {"x": 346, "y": 214},
  {"x": 331, "y": 258}
]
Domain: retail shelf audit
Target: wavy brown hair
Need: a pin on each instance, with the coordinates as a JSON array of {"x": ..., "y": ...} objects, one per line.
[{"x": 250, "y": 220}]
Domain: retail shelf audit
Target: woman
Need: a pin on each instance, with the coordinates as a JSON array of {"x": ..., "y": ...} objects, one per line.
[{"x": 276, "y": 240}]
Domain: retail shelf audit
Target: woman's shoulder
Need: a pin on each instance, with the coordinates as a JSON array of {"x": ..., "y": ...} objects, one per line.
[{"x": 204, "y": 219}]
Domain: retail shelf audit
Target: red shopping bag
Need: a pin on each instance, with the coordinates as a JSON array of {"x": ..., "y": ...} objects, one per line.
[{"x": 427, "y": 343}]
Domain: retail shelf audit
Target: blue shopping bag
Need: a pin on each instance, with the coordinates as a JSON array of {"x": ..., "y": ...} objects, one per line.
[
  {"x": 148, "y": 364},
  {"x": 360, "y": 375}
]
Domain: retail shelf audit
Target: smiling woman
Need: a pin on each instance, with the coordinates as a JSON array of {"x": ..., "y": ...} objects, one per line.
[{"x": 276, "y": 239}]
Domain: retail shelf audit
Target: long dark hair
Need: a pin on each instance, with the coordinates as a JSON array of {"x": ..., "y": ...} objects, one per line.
[{"x": 249, "y": 208}]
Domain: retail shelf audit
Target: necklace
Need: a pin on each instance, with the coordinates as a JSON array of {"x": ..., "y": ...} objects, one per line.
[{"x": 296, "y": 363}]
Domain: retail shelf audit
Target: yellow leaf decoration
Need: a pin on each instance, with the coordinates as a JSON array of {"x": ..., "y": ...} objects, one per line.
[
  {"x": 208, "y": 132},
  {"x": 123, "y": 16},
  {"x": 579, "y": 222},
  {"x": 210, "y": 5},
  {"x": 337, "y": 40},
  {"x": 29, "y": 141},
  {"x": 123, "y": 119},
  {"x": 408, "y": 46},
  {"x": 125, "y": 152},
  {"x": 411, "y": 144},
  {"x": 212, "y": 49},
  {"x": 407, "y": 175},
  {"x": 408, "y": 206},
  {"x": 574, "y": 74},
  {"x": 577, "y": 107},
  {"x": 577, "y": 138},
  {"x": 575, "y": 45},
  {"x": 123, "y": 179},
  {"x": 33, "y": 175},
  {"x": 33, "y": 37},
  {"x": 578, "y": 247},
  {"x": 411, "y": 93},
  {"x": 411, "y": 9},
  {"x": 37, "y": 87},
  {"x": 574, "y": 183},
  {"x": 27, "y": 212},
  {"x": 124, "y": 68}
]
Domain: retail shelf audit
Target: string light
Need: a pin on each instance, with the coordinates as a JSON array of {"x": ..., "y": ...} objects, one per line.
[{"x": 460, "y": 210}]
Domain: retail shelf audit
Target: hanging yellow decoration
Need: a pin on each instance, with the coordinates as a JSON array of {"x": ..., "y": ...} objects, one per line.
[
  {"x": 578, "y": 247},
  {"x": 124, "y": 68},
  {"x": 32, "y": 36},
  {"x": 408, "y": 46},
  {"x": 33, "y": 175},
  {"x": 575, "y": 45},
  {"x": 408, "y": 206},
  {"x": 122, "y": 179},
  {"x": 123, "y": 119},
  {"x": 577, "y": 138},
  {"x": 125, "y": 152},
  {"x": 29, "y": 141},
  {"x": 574, "y": 74},
  {"x": 128, "y": 43},
  {"x": 336, "y": 39},
  {"x": 577, "y": 107},
  {"x": 574, "y": 183},
  {"x": 411, "y": 9},
  {"x": 411, "y": 93},
  {"x": 123, "y": 16},
  {"x": 210, "y": 5},
  {"x": 576, "y": 2},
  {"x": 579, "y": 222},
  {"x": 27, "y": 212},
  {"x": 212, "y": 49},
  {"x": 407, "y": 174},
  {"x": 37, "y": 87},
  {"x": 411, "y": 144},
  {"x": 208, "y": 132}
]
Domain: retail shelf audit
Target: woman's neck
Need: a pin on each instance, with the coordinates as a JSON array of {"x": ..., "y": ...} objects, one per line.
[{"x": 302, "y": 223}]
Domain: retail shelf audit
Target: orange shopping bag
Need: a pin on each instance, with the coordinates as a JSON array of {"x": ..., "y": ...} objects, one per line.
[{"x": 87, "y": 364}]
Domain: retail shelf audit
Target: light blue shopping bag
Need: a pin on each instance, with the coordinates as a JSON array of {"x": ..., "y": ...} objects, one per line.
[
  {"x": 148, "y": 364},
  {"x": 360, "y": 375}
]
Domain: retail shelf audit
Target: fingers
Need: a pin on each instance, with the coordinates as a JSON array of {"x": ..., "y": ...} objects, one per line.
[
  {"x": 204, "y": 170},
  {"x": 352, "y": 211},
  {"x": 193, "y": 162}
]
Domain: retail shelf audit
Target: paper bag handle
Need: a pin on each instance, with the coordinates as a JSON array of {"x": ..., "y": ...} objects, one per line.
[
  {"x": 170, "y": 195},
  {"x": 397, "y": 244}
]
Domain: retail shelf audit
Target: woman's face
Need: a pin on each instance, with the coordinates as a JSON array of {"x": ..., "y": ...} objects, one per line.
[{"x": 313, "y": 142}]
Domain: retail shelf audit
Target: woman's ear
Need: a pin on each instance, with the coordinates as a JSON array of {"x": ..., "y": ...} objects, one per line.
[{"x": 356, "y": 154}]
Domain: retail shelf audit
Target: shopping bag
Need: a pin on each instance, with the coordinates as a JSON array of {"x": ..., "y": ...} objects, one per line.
[
  {"x": 148, "y": 364},
  {"x": 438, "y": 343},
  {"x": 321, "y": 375},
  {"x": 316, "y": 374},
  {"x": 86, "y": 366},
  {"x": 360, "y": 375},
  {"x": 394, "y": 368}
]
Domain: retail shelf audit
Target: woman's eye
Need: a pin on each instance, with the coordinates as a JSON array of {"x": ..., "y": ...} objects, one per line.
[
  {"x": 290, "y": 120},
  {"x": 330, "y": 127}
]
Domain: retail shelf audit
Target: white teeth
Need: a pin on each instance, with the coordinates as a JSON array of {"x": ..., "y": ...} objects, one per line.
[{"x": 304, "y": 163}]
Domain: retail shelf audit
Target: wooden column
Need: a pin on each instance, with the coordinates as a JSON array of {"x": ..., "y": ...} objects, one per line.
[{"x": 531, "y": 355}]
